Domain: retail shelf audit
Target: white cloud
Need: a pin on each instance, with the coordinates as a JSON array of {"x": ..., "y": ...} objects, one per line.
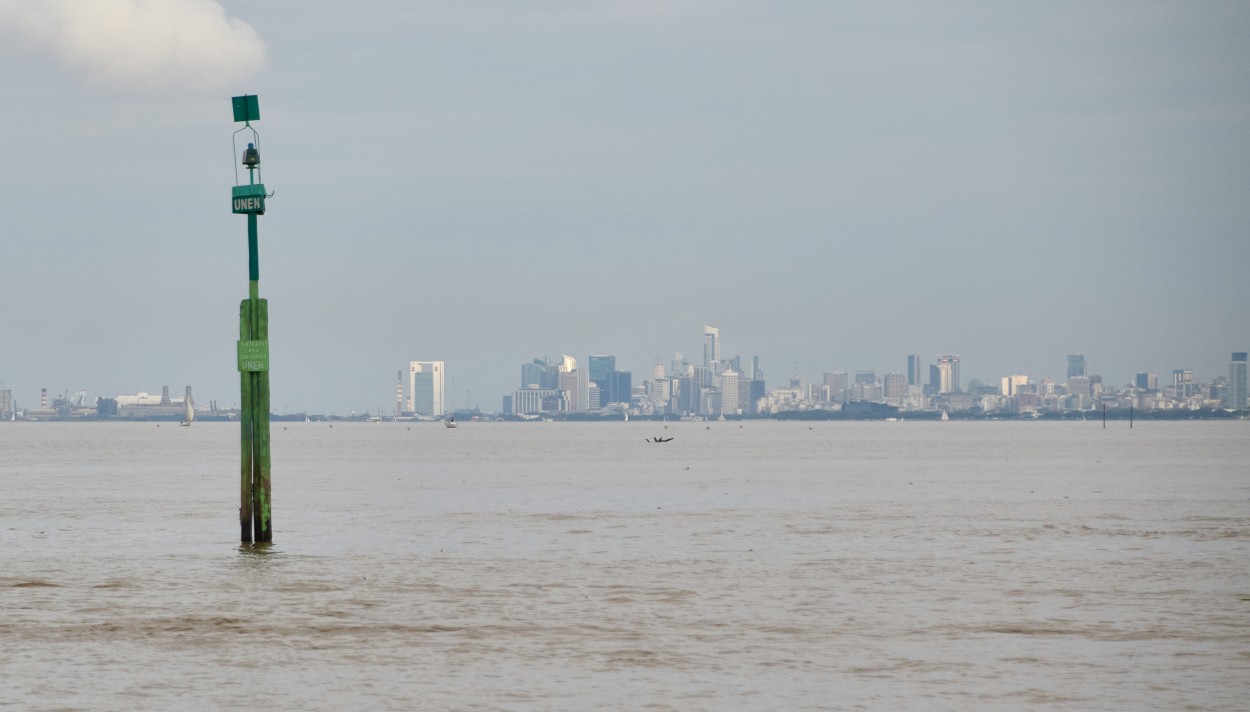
[{"x": 140, "y": 44}]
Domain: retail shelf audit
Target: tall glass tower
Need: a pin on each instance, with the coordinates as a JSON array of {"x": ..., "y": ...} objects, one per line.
[
  {"x": 711, "y": 347},
  {"x": 1076, "y": 365},
  {"x": 1237, "y": 367},
  {"x": 601, "y": 369}
]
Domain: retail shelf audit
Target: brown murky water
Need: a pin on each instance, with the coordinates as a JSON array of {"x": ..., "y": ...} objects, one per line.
[{"x": 545, "y": 566}]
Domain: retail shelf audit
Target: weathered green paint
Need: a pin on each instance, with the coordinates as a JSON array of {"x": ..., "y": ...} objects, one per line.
[
  {"x": 245, "y": 417},
  {"x": 255, "y": 513},
  {"x": 253, "y": 251},
  {"x": 262, "y": 524},
  {"x": 253, "y": 355},
  {"x": 243, "y": 191},
  {"x": 246, "y": 107}
]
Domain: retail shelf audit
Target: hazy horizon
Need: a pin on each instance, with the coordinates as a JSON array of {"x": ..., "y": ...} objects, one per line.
[{"x": 835, "y": 186}]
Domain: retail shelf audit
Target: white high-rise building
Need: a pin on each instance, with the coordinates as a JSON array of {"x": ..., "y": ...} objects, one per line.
[
  {"x": 948, "y": 370},
  {"x": 425, "y": 388},
  {"x": 1011, "y": 385},
  {"x": 711, "y": 348},
  {"x": 729, "y": 393}
]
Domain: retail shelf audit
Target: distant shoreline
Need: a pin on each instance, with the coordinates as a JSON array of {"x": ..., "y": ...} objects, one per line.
[{"x": 798, "y": 415}]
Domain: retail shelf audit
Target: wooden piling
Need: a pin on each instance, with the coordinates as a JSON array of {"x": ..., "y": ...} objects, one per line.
[
  {"x": 255, "y": 512},
  {"x": 261, "y": 513},
  {"x": 245, "y": 417}
]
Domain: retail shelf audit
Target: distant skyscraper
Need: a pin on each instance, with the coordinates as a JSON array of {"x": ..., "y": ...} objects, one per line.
[
  {"x": 755, "y": 392},
  {"x": 1183, "y": 384},
  {"x": 1011, "y": 385},
  {"x": 601, "y": 368},
  {"x": 425, "y": 388},
  {"x": 622, "y": 387},
  {"x": 729, "y": 392},
  {"x": 1147, "y": 381},
  {"x": 1080, "y": 386},
  {"x": 837, "y": 382},
  {"x": 948, "y": 374},
  {"x": 895, "y": 384},
  {"x": 569, "y": 385},
  {"x": 915, "y": 375},
  {"x": 1237, "y": 371},
  {"x": 711, "y": 348},
  {"x": 1076, "y": 365},
  {"x": 536, "y": 374}
]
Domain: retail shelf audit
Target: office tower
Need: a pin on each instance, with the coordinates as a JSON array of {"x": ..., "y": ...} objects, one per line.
[
  {"x": 729, "y": 392},
  {"x": 1076, "y": 365},
  {"x": 425, "y": 388},
  {"x": 687, "y": 394},
  {"x": 1148, "y": 381},
  {"x": 1080, "y": 386},
  {"x": 711, "y": 348},
  {"x": 702, "y": 377},
  {"x": 660, "y": 390},
  {"x": 621, "y": 387},
  {"x": 837, "y": 383},
  {"x": 567, "y": 364},
  {"x": 1011, "y": 385},
  {"x": 1237, "y": 396},
  {"x": 600, "y": 373},
  {"x": 680, "y": 366},
  {"x": 865, "y": 376},
  {"x": 914, "y": 372},
  {"x": 567, "y": 382},
  {"x": 895, "y": 385},
  {"x": 537, "y": 374},
  {"x": 537, "y": 400},
  {"x": 948, "y": 374},
  {"x": 756, "y": 395},
  {"x": 1183, "y": 384}
]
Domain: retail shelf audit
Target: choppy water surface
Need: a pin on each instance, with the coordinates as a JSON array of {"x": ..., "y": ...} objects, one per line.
[{"x": 772, "y": 566}]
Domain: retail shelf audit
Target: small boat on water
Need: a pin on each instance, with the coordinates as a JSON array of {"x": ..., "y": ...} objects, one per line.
[{"x": 450, "y": 422}]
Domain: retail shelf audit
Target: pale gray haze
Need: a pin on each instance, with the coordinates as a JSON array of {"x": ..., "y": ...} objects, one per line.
[{"x": 834, "y": 185}]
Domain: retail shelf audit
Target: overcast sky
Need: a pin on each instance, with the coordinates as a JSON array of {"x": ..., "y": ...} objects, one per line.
[{"x": 834, "y": 185}]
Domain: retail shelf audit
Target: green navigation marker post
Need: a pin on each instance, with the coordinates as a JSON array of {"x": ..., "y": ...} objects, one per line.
[{"x": 255, "y": 512}]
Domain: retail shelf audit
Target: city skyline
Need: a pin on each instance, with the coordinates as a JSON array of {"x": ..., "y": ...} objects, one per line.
[
  {"x": 427, "y": 378},
  {"x": 832, "y": 185}
]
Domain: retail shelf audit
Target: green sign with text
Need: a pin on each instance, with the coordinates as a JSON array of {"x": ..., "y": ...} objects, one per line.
[
  {"x": 248, "y": 199},
  {"x": 253, "y": 355}
]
